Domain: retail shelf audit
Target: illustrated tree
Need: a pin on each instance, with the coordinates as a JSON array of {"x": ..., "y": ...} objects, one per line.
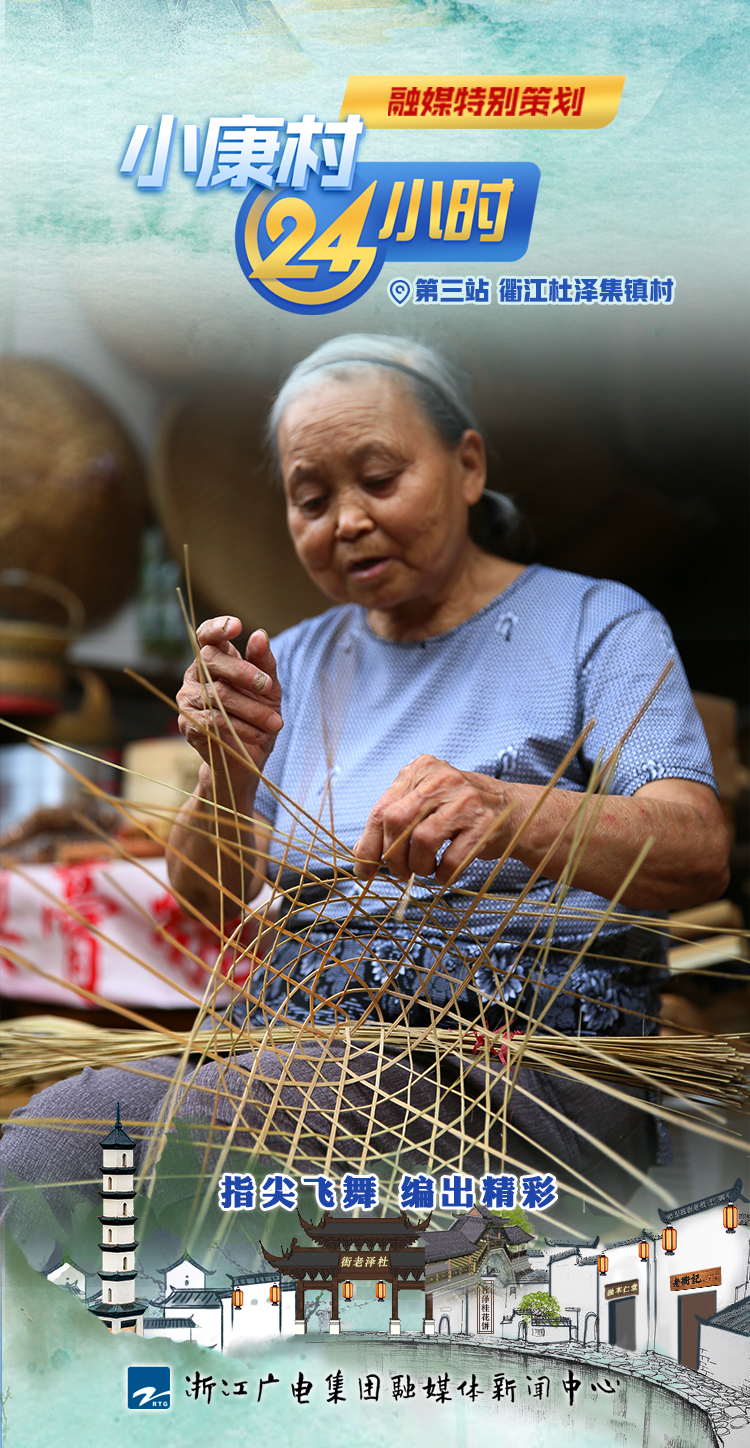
[
  {"x": 540, "y": 1307},
  {"x": 516, "y": 1217}
]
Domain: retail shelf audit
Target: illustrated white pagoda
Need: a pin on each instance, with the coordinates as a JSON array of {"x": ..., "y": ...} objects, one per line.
[{"x": 118, "y": 1307}]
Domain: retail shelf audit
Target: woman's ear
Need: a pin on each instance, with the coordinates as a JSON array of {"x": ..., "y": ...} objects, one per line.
[{"x": 473, "y": 463}]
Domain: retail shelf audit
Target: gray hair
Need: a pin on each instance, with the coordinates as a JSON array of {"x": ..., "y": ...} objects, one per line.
[{"x": 438, "y": 391}]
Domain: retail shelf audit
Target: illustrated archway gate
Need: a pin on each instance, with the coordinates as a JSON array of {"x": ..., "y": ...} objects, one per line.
[{"x": 380, "y": 1249}]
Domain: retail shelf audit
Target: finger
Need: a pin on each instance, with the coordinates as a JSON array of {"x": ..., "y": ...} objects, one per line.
[
  {"x": 208, "y": 732},
  {"x": 232, "y": 751},
  {"x": 218, "y": 632},
  {"x": 398, "y": 850},
  {"x": 369, "y": 848},
  {"x": 426, "y": 839},
  {"x": 416, "y": 828},
  {"x": 372, "y": 846},
  {"x": 462, "y": 850},
  {"x": 488, "y": 844},
  {"x": 218, "y": 698},
  {"x": 258, "y": 652},
  {"x": 476, "y": 835},
  {"x": 377, "y": 842},
  {"x": 233, "y": 670},
  {"x": 258, "y": 649}
]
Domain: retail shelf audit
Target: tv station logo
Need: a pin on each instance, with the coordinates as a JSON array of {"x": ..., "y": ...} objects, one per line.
[{"x": 149, "y": 1388}]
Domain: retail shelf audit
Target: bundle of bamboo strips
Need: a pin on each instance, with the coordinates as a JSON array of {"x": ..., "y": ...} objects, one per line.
[{"x": 41, "y": 1048}]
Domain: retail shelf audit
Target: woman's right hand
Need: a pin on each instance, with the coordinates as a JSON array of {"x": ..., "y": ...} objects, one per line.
[{"x": 251, "y": 697}]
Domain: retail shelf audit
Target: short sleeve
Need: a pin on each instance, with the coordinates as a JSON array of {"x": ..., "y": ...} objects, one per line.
[{"x": 624, "y": 645}]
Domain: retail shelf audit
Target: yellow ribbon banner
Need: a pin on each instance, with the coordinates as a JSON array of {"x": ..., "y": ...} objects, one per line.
[{"x": 483, "y": 102}]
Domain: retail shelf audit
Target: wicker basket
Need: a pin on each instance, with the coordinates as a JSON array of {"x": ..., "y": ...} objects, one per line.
[
  {"x": 211, "y": 488},
  {"x": 32, "y": 655},
  {"x": 72, "y": 490}
]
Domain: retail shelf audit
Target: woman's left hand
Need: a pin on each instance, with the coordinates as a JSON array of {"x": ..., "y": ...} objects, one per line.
[{"x": 428, "y": 803}]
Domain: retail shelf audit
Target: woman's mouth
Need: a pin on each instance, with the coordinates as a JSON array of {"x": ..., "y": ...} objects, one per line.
[{"x": 366, "y": 567}]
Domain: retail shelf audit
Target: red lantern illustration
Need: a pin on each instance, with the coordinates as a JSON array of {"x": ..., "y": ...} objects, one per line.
[
  {"x": 602, "y": 1264},
  {"x": 274, "y": 1295},
  {"x": 348, "y": 1291},
  {"x": 380, "y": 1291},
  {"x": 731, "y": 1218},
  {"x": 643, "y": 1251},
  {"x": 669, "y": 1241},
  {"x": 237, "y": 1297}
]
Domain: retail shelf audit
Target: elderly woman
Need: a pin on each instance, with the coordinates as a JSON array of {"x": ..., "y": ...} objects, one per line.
[
  {"x": 425, "y": 714},
  {"x": 420, "y": 721}
]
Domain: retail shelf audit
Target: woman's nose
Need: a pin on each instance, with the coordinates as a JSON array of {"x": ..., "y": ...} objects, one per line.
[{"x": 352, "y": 518}]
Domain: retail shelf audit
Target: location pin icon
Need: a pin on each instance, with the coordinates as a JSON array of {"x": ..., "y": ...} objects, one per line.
[{"x": 399, "y": 291}]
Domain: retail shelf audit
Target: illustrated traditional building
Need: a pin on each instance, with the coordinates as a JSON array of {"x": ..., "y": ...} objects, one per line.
[
  {"x": 472, "y": 1268},
  {"x": 188, "y": 1311},
  {"x": 118, "y": 1307},
  {"x": 254, "y": 1310},
  {"x": 185, "y": 1272},
  {"x": 724, "y": 1345},
  {"x": 223, "y": 1318},
  {"x": 381, "y": 1249},
  {"x": 658, "y": 1286},
  {"x": 571, "y": 1271},
  {"x": 707, "y": 1271},
  {"x": 683, "y": 1293},
  {"x": 70, "y": 1276},
  {"x": 652, "y": 1292}
]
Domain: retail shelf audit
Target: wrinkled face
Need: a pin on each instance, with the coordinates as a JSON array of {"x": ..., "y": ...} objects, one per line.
[{"x": 377, "y": 503}]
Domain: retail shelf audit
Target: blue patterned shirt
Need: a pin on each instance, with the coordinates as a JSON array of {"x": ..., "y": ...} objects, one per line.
[{"x": 505, "y": 693}]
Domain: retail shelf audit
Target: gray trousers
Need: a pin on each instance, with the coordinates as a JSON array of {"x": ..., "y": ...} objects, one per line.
[{"x": 81, "y": 1111}]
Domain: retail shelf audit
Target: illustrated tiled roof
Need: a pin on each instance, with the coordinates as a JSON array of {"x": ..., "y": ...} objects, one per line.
[
  {"x": 209, "y": 1271},
  {"x": 352, "y": 1227},
  {"x": 735, "y": 1318},
  {"x": 535, "y": 1252},
  {"x": 516, "y": 1235},
  {"x": 471, "y": 1227},
  {"x": 477, "y": 1210},
  {"x": 136, "y": 1308},
  {"x": 587, "y": 1261},
  {"x": 49, "y": 1270},
  {"x": 252, "y": 1279},
  {"x": 633, "y": 1241},
  {"x": 579, "y": 1242},
  {"x": 440, "y": 1246},
  {"x": 719, "y": 1199},
  {"x": 305, "y": 1257},
  {"x": 477, "y": 1220},
  {"x": 560, "y": 1256},
  {"x": 191, "y": 1297},
  {"x": 118, "y": 1136},
  {"x": 156, "y": 1324}
]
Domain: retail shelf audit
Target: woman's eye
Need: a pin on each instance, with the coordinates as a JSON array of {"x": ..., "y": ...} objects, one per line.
[
  {"x": 311, "y": 506},
  {"x": 378, "y": 482}
]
